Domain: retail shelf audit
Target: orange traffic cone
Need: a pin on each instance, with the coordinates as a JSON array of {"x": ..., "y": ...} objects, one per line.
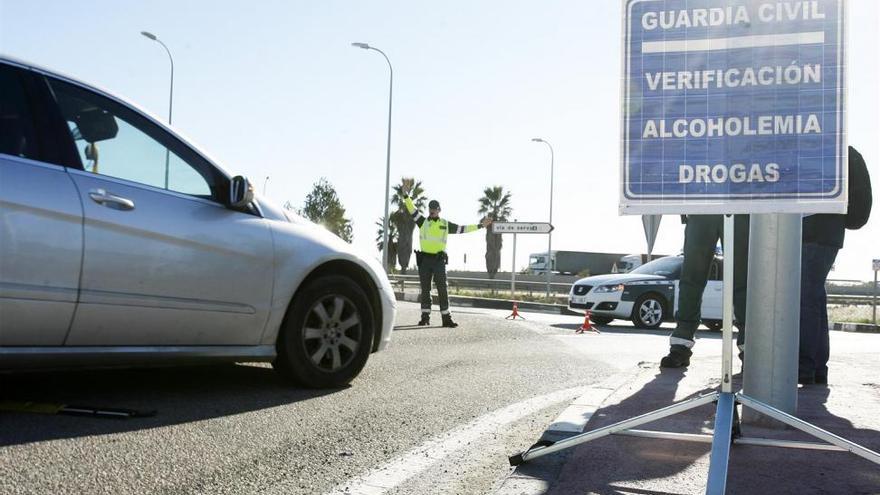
[
  {"x": 587, "y": 326},
  {"x": 515, "y": 313}
]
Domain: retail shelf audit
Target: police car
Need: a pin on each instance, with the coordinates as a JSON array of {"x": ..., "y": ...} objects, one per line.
[{"x": 647, "y": 296}]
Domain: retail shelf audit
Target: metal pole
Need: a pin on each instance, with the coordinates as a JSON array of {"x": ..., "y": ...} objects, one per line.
[
  {"x": 264, "y": 185},
  {"x": 550, "y": 234},
  {"x": 549, "y": 264},
  {"x": 387, "y": 162},
  {"x": 513, "y": 269},
  {"x": 170, "y": 95},
  {"x": 386, "y": 199},
  {"x": 773, "y": 316},
  {"x": 727, "y": 308},
  {"x": 874, "y": 300}
]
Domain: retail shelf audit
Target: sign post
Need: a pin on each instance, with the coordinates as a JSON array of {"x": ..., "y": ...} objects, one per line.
[
  {"x": 731, "y": 107},
  {"x": 876, "y": 266},
  {"x": 515, "y": 228}
]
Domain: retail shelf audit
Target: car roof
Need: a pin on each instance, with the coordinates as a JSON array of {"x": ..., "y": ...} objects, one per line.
[{"x": 10, "y": 60}]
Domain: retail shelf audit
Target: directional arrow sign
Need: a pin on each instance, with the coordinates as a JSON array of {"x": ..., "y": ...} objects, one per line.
[{"x": 521, "y": 228}]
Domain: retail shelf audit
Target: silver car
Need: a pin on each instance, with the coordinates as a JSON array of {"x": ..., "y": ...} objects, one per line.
[{"x": 122, "y": 244}]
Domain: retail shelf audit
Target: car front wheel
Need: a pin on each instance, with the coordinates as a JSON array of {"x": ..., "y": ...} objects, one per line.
[
  {"x": 327, "y": 335},
  {"x": 648, "y": 311}
]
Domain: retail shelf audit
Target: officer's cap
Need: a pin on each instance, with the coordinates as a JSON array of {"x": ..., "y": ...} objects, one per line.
[{"x": 434, "y": 204}]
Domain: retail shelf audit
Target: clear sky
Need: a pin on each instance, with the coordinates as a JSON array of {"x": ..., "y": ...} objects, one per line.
[{"x": 273, "y": 88}]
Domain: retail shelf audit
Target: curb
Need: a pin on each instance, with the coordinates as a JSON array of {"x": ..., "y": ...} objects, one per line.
[
  {"x": 855, "y": 327},
  {"x": 571, "y": 422}
]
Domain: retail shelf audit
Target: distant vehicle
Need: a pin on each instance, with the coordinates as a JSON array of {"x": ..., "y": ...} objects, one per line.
[
  {"x": 647, "y": 296},
  {"x": 123, "y": 245},
  {"x": 630, "y": 262},
  {"x": 574, "y": 262}
]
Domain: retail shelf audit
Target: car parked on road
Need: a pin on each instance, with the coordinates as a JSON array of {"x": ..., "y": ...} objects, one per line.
[
  {"x": 123, "y": 244},
  {"x": 647, "y": 296}
]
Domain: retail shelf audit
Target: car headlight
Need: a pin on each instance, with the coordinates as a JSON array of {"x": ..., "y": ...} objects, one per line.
[{"x": 609, "y": 288}]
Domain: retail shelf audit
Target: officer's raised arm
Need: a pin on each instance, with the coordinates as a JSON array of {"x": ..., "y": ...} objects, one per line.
[{"x": 454, "y": 228}]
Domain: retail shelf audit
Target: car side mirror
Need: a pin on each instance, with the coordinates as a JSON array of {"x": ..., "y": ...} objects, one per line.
[{"x": 241, "y": 192}]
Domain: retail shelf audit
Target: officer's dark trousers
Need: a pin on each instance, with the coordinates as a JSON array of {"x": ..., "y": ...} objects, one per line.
[
  {"x": 816, "y": 262},
  {"x": 433, "y": 267},
  {"x": 700, "y": 238}
]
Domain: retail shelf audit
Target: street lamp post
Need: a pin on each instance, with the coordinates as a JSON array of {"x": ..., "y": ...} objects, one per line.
[
  {"x": 264, "y": 185},
  {"x": 549, "y": 235},
  {"x": 386, "y": 199},
  {"x": 170, "y": 94}
]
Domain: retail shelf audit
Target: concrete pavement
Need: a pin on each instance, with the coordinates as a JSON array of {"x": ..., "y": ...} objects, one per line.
[{"x": 848, "y": 407}]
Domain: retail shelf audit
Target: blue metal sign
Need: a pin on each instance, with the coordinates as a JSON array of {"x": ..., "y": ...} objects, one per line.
[{"x": 733, "y": 106}]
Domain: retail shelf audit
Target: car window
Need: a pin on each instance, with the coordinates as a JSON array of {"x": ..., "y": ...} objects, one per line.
[
  {"x": 115, "y": 141},
  {"x": 668, "y": 267},
  {"x": 17, "y": 136}
]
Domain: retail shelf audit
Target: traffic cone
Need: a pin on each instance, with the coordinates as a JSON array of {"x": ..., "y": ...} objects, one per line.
[
  {"x": 587, "y": 326},
  {"x": 515, "y": 313}
]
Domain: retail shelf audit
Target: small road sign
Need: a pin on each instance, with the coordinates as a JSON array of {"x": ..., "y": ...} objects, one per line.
[{"x": 521, "y": 228}]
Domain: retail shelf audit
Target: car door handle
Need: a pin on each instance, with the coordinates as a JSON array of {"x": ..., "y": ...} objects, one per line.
[{"x": 103, "y": 198}]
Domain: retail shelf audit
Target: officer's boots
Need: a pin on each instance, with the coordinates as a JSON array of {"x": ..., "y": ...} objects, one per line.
[
  {"x": 447, "y": 322},
  {"x": 679, "y": 357},
  {"x": 426, "y": 320}
]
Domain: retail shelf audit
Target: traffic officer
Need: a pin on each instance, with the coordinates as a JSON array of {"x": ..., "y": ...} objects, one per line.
[{"x": 432, "y": 258}]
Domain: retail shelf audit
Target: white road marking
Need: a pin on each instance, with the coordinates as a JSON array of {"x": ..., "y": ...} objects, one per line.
[{"x": 404, "y": 467}]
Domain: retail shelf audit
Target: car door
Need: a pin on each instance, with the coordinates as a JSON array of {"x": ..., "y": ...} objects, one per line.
[
  {"x": 712, "y": 300},
  {"x": 165, "y": 262},
  {"x": 40, "y": 225}
]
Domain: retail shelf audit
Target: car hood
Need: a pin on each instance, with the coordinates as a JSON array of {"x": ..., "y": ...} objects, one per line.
[{"x": 617, "y": 278}]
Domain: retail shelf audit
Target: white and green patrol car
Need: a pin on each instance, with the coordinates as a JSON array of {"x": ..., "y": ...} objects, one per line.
[{"x": 647, "y": 296}]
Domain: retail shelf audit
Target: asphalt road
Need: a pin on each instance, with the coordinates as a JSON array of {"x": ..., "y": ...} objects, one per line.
[{"x": 466, "y": 397}]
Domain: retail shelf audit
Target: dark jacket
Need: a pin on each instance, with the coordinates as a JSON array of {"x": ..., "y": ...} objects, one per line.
[{"x": 829, "y": 229}]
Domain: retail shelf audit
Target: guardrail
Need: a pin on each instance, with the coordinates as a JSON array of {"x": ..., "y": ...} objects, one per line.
[
  {"x": 854, "y": 292},
  {"x": 497, "y": 285}
]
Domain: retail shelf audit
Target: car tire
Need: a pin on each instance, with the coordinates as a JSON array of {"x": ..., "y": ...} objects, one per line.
[
  {"x": 327, "y": 334},
  {"x": 601, "y": 320},
  {"x": 713, "y": 325},
  {"x": 649, "y": 311}
]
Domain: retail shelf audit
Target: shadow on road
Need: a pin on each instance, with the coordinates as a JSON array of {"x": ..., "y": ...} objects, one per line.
[
  {"x": 755, "y": 469},
  {"x": 626, "y": 465},
  {"x": 178, "y": 395},
  {"x": 596, "y": 467}
]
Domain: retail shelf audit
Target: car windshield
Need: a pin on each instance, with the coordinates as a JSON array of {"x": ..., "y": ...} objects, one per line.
[{"x": 668, "y": 267}]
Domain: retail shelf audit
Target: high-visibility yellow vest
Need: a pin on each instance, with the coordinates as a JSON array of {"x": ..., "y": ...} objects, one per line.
[{"x": 433, "y": 233}]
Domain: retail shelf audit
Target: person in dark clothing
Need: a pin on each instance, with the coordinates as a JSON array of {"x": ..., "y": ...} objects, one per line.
[
  {"x": 701, "y": 235},
  {"x": 823, "y": 236}
]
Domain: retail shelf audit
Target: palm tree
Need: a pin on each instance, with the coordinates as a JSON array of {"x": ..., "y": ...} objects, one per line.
[
  {"x": 495, "y": 204},
  {"x": 404, "y": 222},
  {"x": 392, "y": 240}
]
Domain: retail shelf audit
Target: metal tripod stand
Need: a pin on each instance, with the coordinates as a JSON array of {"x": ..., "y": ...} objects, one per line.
[{"x": 727, "y": 425}]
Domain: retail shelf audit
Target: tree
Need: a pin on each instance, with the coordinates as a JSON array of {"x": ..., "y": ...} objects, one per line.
[
  {"x": 393, "y": 240},
  {"x": 495, "y": 204},
  {"x": 404, "y": 221},
  {"x": 323, "y": 207}
]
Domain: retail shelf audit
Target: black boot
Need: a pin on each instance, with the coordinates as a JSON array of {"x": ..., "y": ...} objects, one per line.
[
  {"x": 679, "y": 356},
  {"x": 426, "y": 320},
  {"x": 447, "y": 322}
]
